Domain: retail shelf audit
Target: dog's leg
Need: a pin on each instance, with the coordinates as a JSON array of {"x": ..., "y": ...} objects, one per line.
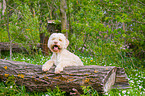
[
  {"x": 47, "y": 65},
  {"x": 59, "y": 68}
]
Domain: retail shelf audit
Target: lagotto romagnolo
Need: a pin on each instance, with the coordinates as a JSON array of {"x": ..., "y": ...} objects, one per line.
[{"x": 61, "y": 57}]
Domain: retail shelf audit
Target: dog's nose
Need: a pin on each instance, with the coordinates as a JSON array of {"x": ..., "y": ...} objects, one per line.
[{"x": 55, "y": 42}]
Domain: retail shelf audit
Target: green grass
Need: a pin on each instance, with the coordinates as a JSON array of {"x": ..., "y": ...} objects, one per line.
[{"x": 133, "y": 67}]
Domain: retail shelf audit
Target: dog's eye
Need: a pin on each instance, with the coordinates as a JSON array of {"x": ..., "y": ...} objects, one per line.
[
  {"x": 60, "y": 40},
  {"x": 53, "y": 38}
]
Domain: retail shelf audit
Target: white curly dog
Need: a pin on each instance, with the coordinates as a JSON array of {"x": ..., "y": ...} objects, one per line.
[{"x": 61, "y": 57}]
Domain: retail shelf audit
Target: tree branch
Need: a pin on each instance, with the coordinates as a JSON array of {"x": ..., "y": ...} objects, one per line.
[{"x": 141, "y": 2}]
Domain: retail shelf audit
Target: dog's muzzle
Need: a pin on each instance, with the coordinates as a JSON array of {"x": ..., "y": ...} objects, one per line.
[{"x": 56, "y": 48}]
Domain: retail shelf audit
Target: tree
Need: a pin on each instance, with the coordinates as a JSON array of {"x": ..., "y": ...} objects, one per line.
[
  {"x": 64, "y": 26},
  {"x": 97, "y": 27}
]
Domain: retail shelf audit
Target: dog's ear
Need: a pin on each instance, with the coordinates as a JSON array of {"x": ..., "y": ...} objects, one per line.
[{"x": 67, "y": 43}]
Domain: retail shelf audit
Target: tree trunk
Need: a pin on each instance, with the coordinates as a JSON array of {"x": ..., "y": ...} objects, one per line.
[
  {"x": 16, "y": 47},
  {"x": 100, "y": 78},
  {"x": 63, "y": 7},
  {"x": 2, "y": 7},
  {"x": 9, "y": 32}
]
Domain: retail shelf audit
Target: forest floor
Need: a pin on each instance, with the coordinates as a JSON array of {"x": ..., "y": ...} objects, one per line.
[{"x": 135, "y": 74}]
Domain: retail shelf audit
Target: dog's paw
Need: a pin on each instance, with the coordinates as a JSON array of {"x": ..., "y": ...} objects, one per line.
[
  {"x": 58, "y": 70},
  {"x": 47, "y": 65},
  {"x": 45, "y": 68}
]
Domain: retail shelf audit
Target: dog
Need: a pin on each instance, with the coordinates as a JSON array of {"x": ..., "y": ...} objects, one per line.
[{"x": 61, "y": 57}]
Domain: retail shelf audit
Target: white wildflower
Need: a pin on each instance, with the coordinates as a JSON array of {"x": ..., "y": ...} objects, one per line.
[
  {"x": 106, "y": 93},
  {"x": 124, "y": 91},
  {"x": 11, "y": 86},
  {"x": 128, "y": 92},
  {"x": 136, "y": 74},
  {"x": 140, "y": 87},
  {"x": 23, "y": 59},
  {"x": 131, "y": 81}
]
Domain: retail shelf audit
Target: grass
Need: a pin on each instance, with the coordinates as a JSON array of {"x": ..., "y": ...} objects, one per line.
[{"x": 133, "y": 67}]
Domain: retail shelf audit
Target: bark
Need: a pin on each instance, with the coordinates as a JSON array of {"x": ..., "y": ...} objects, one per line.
[
  {"x": 2, "y": 7},
  {"x": 100, "y": 78},
  {"x": 17, "y": 47},
  {"x": 63, "y": 7}
]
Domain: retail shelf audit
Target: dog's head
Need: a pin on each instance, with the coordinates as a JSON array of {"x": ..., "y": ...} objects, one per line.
[{"x": 57, "y": 42}]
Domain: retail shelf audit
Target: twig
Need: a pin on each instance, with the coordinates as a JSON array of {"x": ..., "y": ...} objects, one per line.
[{"x": 141, "y": 2}]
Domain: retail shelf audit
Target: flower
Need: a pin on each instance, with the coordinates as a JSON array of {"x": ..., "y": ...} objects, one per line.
[
  {"x": 6, "y": 75},
  {"x": 27, "y": 29},
  {"x": 6, "y": 67},
  {"x": 11, "y": 86}
]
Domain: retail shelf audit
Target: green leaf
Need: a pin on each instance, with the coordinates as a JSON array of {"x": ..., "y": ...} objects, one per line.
[{"x": 124, "y": 35}]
